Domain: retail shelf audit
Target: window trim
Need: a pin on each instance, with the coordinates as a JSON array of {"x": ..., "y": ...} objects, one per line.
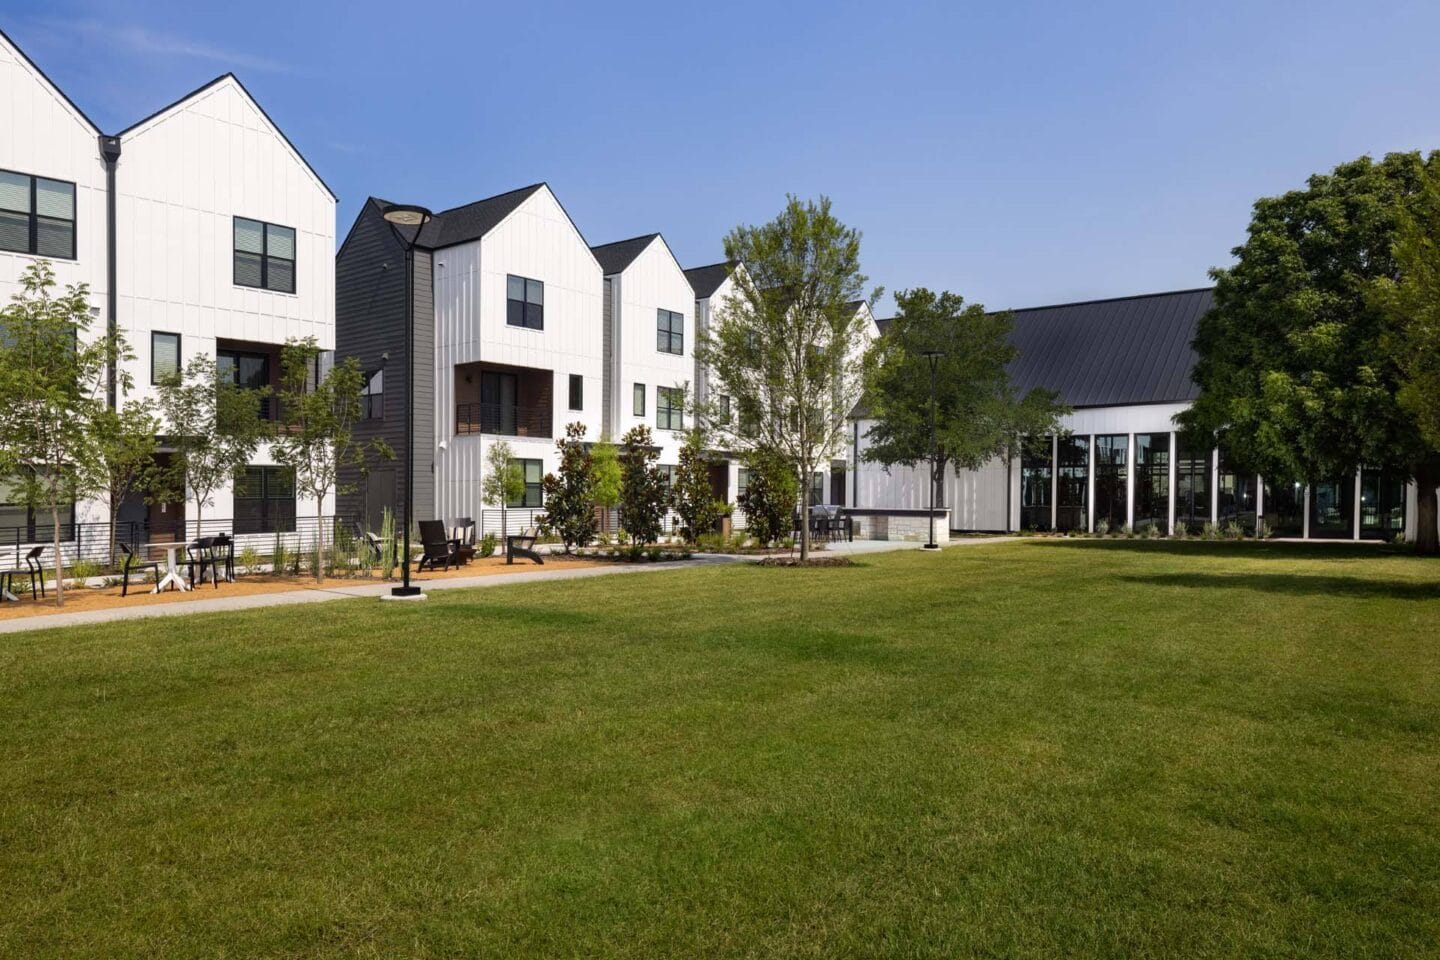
[
  {"x": 34, "y": 217},
  {"x": 179, "y": 353},
  {"x": 577, "y": 391},
  {"x": 672, "y": 411},
  {"x": 526, "y": 304},
  {"x": 539, "y": 485},
  {"x": 637, "y": 392},
  {"x": 265, "y": 257},
  {"x": 668, "y": 331},
  {"x": 265, "y": 518},
  {"x": 368, "y": 397}
]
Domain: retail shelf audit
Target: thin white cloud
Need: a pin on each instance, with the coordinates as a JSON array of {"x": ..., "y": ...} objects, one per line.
[{"x": 152, "y": 43}]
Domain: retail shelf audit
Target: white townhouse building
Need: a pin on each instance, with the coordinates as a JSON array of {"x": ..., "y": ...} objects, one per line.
[
  {"x": 508, "y": 345},
  {"x": 199, "y": 230},
  {"x": 1123, "y": 366}
]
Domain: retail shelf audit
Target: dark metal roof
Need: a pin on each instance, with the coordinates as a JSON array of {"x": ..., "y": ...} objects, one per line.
[
  {"x": 615, "y": 257},
  {"x": 707, "y": 279},
  {"x": 470, "y": 221},
  {"x": 1104, "y": 353}
]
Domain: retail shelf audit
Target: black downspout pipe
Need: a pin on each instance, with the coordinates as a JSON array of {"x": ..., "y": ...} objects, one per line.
[{"x": 110, "y": 152}]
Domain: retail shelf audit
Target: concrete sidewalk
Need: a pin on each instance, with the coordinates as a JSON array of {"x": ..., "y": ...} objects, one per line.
[{"x": 223, "y": 604}]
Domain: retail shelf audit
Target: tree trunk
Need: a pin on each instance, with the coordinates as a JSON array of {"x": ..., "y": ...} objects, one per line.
[
  {"x": 320, "y": 540},
  {"x": 59, "y": 571},
  {"x": 1427, "y": 480},
  {"x": 113, "y": 510}
]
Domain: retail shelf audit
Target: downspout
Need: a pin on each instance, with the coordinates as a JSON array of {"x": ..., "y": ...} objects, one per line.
[{"x": 110, "y": 152}]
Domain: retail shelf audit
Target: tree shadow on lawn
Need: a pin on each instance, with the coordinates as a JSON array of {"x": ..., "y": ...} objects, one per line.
[
  {"x": 1293, "y": 584},
  {"x": 1250, "y": 549}
]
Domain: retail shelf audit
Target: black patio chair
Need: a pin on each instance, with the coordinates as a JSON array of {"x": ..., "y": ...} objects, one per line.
[
  {"x": 130, "y": 564},
  {"x": 222, "y": 559},
  {"x": 523, "y": 545},
  {"x": 198, "y": 556},
  {"x": 439, "y": 550},
  {"x": 36, "y": 569}
]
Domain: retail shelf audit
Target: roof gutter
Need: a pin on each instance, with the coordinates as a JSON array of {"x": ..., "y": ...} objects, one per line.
[{"x": 110, "y": 152}]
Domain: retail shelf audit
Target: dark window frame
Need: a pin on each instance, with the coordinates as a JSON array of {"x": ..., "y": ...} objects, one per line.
[
  {"x": 668, "y": 414},
  {"x": 724, "y": 408},
  {"x": 534, "y": 494},
  {"x": 33, "y": 217},
  {"x": 276, "y": 513},
  {"x": 637, "y": 400},
  {"x": 179, "y": 356},
  {"x": 577, "y": 392},
  {"x": 668, "y": 340},
  {"x": 372, "y": 402},
  {"x": 532, "y": 312},
  {"x": 265, "y": 256}
]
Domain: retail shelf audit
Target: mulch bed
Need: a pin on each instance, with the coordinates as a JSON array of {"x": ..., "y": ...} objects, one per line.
[{"x": 812, "y": 562}]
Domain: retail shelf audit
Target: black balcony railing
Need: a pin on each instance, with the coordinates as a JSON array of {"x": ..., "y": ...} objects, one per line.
[{"x": 502, "y": 419}]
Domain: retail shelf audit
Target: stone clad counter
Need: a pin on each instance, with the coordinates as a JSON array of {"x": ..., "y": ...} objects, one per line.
[{"x": 881, "y": 523}]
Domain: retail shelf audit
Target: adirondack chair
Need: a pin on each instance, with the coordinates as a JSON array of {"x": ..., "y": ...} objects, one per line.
[
  {"x": 439, "y": 551},
  {"x": 523, "y": 545},
  {"x": 464, "y": 537}
]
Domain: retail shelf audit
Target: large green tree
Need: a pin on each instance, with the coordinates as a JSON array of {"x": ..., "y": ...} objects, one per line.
[
  {"x": 126, "y": 444},
  {"x": 978, "y": 415},
  {"x": 1298, "y": 371},
  {"x": 570, "y": 493},
  {"x": 789, "y": 346},
  {"x": 53, "y": 378}
]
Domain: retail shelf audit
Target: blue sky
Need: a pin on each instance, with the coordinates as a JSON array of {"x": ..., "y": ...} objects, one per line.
[{"x": 1018, "y": 153}]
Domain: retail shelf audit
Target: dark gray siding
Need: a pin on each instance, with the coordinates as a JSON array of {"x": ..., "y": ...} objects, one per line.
[
  {"x": 607, "y": 375},
  {"x": 424, "y": 394}
]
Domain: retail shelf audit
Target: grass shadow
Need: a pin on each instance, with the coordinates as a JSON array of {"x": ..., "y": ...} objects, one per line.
[
  {"x": 1292, "y": 584},
  {"x": 1262, "y": 549}
]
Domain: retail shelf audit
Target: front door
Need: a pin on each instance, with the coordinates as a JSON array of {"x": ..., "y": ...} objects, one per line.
[
  {"x": 166, "y": 520},
  {"x": 379, "y": 497}
]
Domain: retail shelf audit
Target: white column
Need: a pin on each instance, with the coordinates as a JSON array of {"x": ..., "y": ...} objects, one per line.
[
  {"x": 1172, "y": 482},
  {"x": 1215, "y": 486},
  {"x": 1130, "y": 481},
  {"x": 1355, "y": 528},
  {"x": 1054, "y": 477},
  {"x": 1090, "y": 487},
  {"x": 1305, "y": 527},
  {"x": 1259, "y": 500}
]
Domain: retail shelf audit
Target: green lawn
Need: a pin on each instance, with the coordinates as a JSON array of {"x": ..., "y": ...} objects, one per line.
[{"x": 1038, "y": 749}]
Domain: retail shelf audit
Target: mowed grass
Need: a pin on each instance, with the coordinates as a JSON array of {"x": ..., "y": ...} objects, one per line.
[{"x": 1036, "y": 749}]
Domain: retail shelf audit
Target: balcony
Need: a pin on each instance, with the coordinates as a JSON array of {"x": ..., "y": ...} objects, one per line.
[{"x": 504, "y": 401}]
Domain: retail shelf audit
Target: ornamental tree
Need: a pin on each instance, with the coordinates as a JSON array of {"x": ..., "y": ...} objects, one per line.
[
  {"x": 694, "y": 500},
  {"x": 978, "y": 415},
  {"x": 770, "y": 494},
  {"x": 605, "y": 471},
  {"x": 569, "y": 495},
  {"x": 644, "y": 492},
  {"x": 1298, "y": 363},
  {"x": 126, "y": 445},
  {"x": 504, "y": 481},
  {"x": 788, "y": 346}
]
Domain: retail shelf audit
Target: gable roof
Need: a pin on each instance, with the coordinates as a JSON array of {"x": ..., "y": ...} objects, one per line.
[
  {"x": 218, "y": 81},
  {"x": 707, "y": 279},
  {"x": 45, "y": 79},
  {"x": 470, "y": 221},
  {"x": 1103, "y": 353},
  {"x": 615, "y": 257}
]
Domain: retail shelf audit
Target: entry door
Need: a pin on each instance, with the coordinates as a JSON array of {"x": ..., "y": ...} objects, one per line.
[
  {"x": 379, "y": 495},
  {"x": 837, "y": 485},
  {"x": 498, "y": 393},
  {"x": 165, "y": 521}
]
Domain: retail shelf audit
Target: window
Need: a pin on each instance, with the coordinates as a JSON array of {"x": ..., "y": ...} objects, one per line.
[
  {"x": 1382, "y": 505},
  {"x": 1152, "y": 481},
  {"x": 1236, "y": 495},
  {"x": 639, "y": 401},
  {"x": 372, "y": 397},
  {"x": 669, "y": 408},
  {"x": 264, "y": 255},
  {"x": 164, "y": 355},
  {"x": 534, "y": 473},
  {"x": 1285, "y": 508},
  {"x": 265, "y": 500},
  {"x": 1073, "y": 478},
  {"x": 244, "y": 369},
  {"x": 817, "y": 487},
  {"x": 1332, "y": 509},
  {"x": 1192, "y": 483},
  {"x": 668, "y": 471},
  {"x": 1111, "y": 456},
  {"x": 670, "y": 332},
  {"x": 742, "y": 483},
  {"x": 524, "y": 303},
  {"x": 724, "y": 404},
  {"x": 577, "y": 392},
  {"x": 37, "y": 215},
  {"x": 22, "y": 523},
  {"x": 1035, "y": 471}
]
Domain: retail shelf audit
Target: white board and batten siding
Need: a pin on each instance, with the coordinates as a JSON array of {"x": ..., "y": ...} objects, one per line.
[{"x": 536, "y": 241}]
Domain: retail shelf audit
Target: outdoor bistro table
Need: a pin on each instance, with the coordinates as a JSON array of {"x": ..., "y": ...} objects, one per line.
[{"x": 172, "y": 569}]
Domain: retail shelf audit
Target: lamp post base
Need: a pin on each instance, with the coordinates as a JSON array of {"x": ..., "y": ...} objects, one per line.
[
  {"x": 931, "y": 546},
  {"x": 404, "y": 593}
]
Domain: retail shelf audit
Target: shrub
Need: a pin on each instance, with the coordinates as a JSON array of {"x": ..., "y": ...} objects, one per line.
[
  {"x": 281, "y": 559},
  {"x": 82, "y": 570},
  {"x": 248, "y": 560},
  {"x": 770, "y": 496},
  {"x": 644, "y": 492},
  {"x": 1232, "y": 531},
  {"x": 486, "y": 546},
  {"x": 1262, "y": 529},
  {"x": 569, "y": 496},
  {"x": 694, "y": 501},
  {"x": 1102, "y": 527},
  {"x": 1182, "y": 532},
  {"x": 1211, "y": 531},
  {"x": 1127, "y": 531}
]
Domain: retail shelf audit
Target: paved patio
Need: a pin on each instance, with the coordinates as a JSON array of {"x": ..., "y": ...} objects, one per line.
[{"x": 376, "y": 589}]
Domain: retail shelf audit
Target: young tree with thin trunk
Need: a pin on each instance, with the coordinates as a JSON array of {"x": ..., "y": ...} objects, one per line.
[
  {"x": 315, "y": 436},
  {"x": 126, "y": 445},
  {"x": 977, "y": 414},
  {"x": 1300, "y": 364},
  {"x": 789, "y": 346},
  {"x": 504, "y": 481},
  {"x": 214, "y": 427},
  {"x": 605, "y": 470},
  {"x": 53, "y": 379}
]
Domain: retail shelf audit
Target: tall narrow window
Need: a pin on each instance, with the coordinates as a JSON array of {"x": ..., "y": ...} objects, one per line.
[
  {"x": 37, "y": 215},
  {"x": 265, "y": 500},
  {"x": 669, "y": 408},
  {"x": 1036, "y": 465},
  {"x": 1285, "y": 508},
  {"x": 524, "y": 303},
  {"x": 372, "y": 397},
  {"x": 1073, "y": 482},
  {"x": 1236, "y": 495},
  {"x": 638, "y": 401},
  {"x": 1382, "y": 505},
  {"x": 1192, "y": 483},
  {"x": 577, "y": 392},
  {"x": 1152, "y": 480},
  {"x": 534, "y": 473},
  {"x": 164, "y": 355},
  {"x": 670, "y": 332},
  {"x": 1332, "y": 509},
  {"x": 1111, "y": 454},
  {"x": 264, "y": 255},
  {"x": 724, "y": 408}
]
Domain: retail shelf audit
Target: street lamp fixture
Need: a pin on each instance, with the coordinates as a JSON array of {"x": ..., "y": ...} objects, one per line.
[
  {"x": 408, "y": 215},
  {"x": 934, "y": 357}
]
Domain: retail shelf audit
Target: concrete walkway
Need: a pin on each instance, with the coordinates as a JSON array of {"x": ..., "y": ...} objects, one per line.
[{"x": 223, "y": 604}]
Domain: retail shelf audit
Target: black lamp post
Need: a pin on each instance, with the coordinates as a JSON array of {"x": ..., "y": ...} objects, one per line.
[
  {"x": 408, "y": 215},
  {"x": 934, "y": 357}
]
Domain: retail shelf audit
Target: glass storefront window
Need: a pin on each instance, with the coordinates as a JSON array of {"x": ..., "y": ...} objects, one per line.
[
  {"x": 1382, "y": 505},
  {"x": 1035, "y": 471},
  {"x": 1237, "y": 497},
  {"x": 1152, "y": 480},
  {"x": 1192, "y": 483},
  {"x": 1111, "y": 456},
  {"x": 1332, "y": 509},
  {"x": 1073, "y": 483},
  {"x": 1284, "y": 508}
]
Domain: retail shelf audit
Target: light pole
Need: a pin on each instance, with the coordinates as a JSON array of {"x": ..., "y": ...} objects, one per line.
[
  {"x": 934, "y": 357},
  {"x": 408, "y": 215}
]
